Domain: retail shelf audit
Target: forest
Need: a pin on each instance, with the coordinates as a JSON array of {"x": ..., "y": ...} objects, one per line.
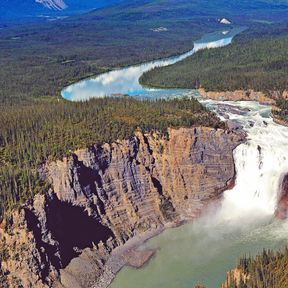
[
  {"x": 269, "y": 269},
  {"x": 31, "y": 134},
  {"x": 257, "y": 61},
  {"x": 266, "y": 270},
  {"x": 38, "y": 60}
]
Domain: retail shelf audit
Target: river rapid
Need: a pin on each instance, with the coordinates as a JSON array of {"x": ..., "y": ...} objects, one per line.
[{"x": 203, "y": 251}]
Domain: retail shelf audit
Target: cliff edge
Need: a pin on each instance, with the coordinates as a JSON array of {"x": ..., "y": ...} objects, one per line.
[{"x": 103, "y": 196}]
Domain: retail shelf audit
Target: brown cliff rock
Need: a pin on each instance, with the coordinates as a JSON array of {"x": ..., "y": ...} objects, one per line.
[
  {"x": 282, "y": 205},
  {"x": 234, "y": 278},
  {"x": 240, "y": 95},
  {"x": 105, "y": 195}
]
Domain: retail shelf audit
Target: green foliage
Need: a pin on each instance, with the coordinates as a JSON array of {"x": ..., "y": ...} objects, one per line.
[
  {"x": 259, "y": 63},
  {"x": 167, "y": 209},
  {"x": 40, "y": 59},
  {"x": 282, "y": 104},
  {"x": 32, "y": 133},
  {"x": 269, "y": 269}
]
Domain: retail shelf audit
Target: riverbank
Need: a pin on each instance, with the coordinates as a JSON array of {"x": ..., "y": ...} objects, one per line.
[
  {"x": 244, "y": 223},
  {"x": 125, "y": 256},
  {"x": 237, "y": 95},
  {"x": 127, "y": 81}
]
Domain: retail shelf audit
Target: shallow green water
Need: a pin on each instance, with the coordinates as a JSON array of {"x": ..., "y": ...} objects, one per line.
[{"x": 201, "y": 253}]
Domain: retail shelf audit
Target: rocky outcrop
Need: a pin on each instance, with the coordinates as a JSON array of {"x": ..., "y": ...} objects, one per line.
[
  {"x": 282, "y": 205},
  {"x": 235, "y": 278},
  {"x": 240, "y": 95},
  {"x": 105, "y": 195}
]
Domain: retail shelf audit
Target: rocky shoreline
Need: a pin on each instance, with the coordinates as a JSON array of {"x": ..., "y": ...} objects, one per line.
[
  {"x": 238, "y": 95},
  {"x": 130, "y": 255},
  {"x": 106, "y": 201},
  {"x": 123, "y": 256}
]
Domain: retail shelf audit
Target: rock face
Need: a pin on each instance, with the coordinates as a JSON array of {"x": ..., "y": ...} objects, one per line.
[
  {"x": 282, "y": 206},
  {"x": 239, "y": 95},
  {"x": 235, "y": 278},
  {"x": 102, "y": 196}
]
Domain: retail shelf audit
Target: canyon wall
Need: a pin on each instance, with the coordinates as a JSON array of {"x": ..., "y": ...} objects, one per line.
[
  {"x": 102, "y": 196},
  {"x": 244, "y": 95}
]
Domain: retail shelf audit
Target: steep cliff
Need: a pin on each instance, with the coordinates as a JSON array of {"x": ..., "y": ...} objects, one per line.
[
  {"x": 102, "y": 196},
  {"x": 241, "y": 95},
  {"x": 282, "y": 205},
  {"x": 235, "y": 278}
]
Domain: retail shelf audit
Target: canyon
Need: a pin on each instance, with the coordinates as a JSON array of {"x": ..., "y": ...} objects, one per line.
[
  {"x": 101, "y": 197},
  {"x": 102, "y": 202}
]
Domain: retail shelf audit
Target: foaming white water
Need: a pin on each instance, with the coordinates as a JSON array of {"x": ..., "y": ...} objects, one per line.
[{"x": 260, "y": 162}]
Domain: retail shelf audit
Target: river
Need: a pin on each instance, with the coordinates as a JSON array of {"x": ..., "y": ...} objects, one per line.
[
  {"x": 203, "y": 251},
  {"x": 125, "y": 81}
]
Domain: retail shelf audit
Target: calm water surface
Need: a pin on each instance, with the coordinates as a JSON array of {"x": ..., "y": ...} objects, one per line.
[
  {"x": 125, "y": 81},
  {"x": 203, "y": 251}
]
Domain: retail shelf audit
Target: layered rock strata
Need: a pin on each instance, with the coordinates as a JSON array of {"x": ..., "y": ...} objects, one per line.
[
  {"x": 282, "y": 205},
  {"x": 105, "y": 195},
  {"x": 242, "y": 95}
]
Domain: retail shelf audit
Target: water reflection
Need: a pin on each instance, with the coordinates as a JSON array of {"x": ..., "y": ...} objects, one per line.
[{"x": 125, "y": 81}]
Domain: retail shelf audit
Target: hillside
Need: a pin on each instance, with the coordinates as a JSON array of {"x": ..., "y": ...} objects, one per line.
[
  {"x": 101, "y": 197},
  {"x": 255, "y": 60},
  {"x": 268, "y": 269},
  {"x": 61, "y": 52},
  {"x": 17, "y": 11},
  {"x": 37, "y": 61},
  {"x": 31, "y": 134},
  {"x": 81, "y": 179}
]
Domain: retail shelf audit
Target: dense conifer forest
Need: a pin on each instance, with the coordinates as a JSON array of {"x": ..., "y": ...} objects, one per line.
[
  {"x": 269, "y": 269},
  {"x": 37, "y": 61},
  {"x": 266, "y": 270},
  {"x": 257, "y": 61},
  {"x": 33, "y": 133}
]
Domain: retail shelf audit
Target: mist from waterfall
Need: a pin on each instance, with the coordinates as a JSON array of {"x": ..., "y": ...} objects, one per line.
[
  {"x": 242, "y": 224},
  {"x": 261, "y": 163}
]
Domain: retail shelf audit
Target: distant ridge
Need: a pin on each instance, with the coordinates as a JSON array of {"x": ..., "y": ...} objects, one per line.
[
  {"x": 31, "y": 10},
  {"x": 53, "y": 4}
]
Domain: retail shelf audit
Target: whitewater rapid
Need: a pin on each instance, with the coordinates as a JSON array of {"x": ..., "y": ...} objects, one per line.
[
  {"x": 243, "y": 224},
  {"x": 203, "y": 251},
  {"x": 261, "y": 162}
]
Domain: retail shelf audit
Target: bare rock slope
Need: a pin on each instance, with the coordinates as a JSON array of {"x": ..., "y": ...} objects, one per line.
[{"x": 102, "y": 196}]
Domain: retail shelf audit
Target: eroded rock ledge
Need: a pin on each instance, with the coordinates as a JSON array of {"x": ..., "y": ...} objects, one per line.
[
  {"x": 105, "y": 195},
  {"x": 244, "y": 95}
]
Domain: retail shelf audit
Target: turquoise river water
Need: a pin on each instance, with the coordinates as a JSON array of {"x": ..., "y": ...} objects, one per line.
[{"x": 203, "y": 251}]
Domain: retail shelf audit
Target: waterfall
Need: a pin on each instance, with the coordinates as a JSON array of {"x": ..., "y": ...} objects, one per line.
[{"x": 260, "y": 162}]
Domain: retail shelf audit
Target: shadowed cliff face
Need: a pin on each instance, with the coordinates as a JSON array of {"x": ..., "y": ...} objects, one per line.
[
  {"x": 282, "y": 207},
  {"x": 74, "y": 229},
  {"x": 105, "y": 195}
]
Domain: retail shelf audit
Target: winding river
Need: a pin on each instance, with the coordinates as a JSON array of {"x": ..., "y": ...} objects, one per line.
[{"x": 203, "y": 251}]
